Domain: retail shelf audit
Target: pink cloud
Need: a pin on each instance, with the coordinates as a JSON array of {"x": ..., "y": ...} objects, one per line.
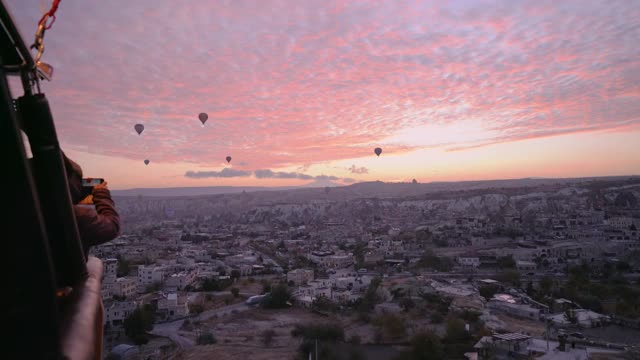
[{"x": 301, "y": 82}]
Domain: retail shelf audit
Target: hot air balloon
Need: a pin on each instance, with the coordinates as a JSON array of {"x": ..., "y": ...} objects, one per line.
[
  {"x": 203, "y": 118},
  {"x": 228, "y": 159},
  {"x": 146, "y": 162},
  {"x": 378, "y": 151},
  {"x": 139, "y": 128}
]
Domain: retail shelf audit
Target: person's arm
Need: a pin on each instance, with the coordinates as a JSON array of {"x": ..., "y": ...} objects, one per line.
[{"x": 103, "y": 224}]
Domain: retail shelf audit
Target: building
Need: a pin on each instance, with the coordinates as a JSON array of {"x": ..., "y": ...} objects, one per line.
[
  {"x": 149, "y": 275},
  {"x": 510, "y": 307},
  {"x": 115, "y": 312},
  {"x": 620, "y": 222},
  {"x": 180, "y": 280},
  {"x": 110, "y": 267},
  {"x": 124, "y": 287},
  {"x": 525, "y": 265},
  {"x": 172, "y": 306},
  {"x": 583, "y": 317},
  {"x": 330, "y": 260},
  {"x": 522, "y": 346},
  {"x": 299, "y": 276},
  {"x": 469, "y": 260},
  {"x": 373, "y": 256}
]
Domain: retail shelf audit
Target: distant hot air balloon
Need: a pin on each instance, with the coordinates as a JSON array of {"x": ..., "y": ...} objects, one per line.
[
  {"x": 139, "y": 128},
  {"x": 228, "y": 159},
  {"x": 203, "y": 118},
  {"x": 378, "y": 151},
  {"x": 146, "y": 162}
]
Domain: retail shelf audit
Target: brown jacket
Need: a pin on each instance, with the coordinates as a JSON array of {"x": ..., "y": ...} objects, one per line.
[{"x": 99, "y": 225}]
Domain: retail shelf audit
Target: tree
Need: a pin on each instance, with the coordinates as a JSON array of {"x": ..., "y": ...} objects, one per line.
[
  {"x": 138, "y": 323},
  {"x": 571, "y": 316},
  {"x": 394, "y": 326},
  {"x": 487, "y": 291},
  {"x": 123, "y": 267},
  {"x": 206, "y": 338},
  {"x": 267, "y": 337},
  {"x": 510, "y": 277},
  {"x": 195, "y": 308},
  {"x": 506, "y": 262},
  {"x": 407, "y": 304},
  {"x": 424, "y": 346},
  {"x": 530, "y": 289},
  {"x": 277, "y": 298},
  {"x": 326, "y": 336},
  {"x": 546, "y": 284},
  {"x": 235, "y": 292},
  {"x": 370, "y": 297},
  {"x": 456, "y": 331},
  {"x": 436, "y": 318},
  {"x": 322, "y": 303},
  {"x": 235, "y": 274}
]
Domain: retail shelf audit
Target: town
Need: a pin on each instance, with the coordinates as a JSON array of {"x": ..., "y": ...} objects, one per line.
[{"x": 542, "y": 269}]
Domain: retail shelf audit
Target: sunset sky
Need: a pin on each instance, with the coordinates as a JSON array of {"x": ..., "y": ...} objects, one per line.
[{"x": 303, "y": 91}]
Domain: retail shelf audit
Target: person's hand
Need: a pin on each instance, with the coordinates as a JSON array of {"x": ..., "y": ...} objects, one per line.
[{"x": 101, "y": 186}]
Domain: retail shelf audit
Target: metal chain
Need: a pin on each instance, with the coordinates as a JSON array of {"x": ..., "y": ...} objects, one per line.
[{"x": 39, "y": 42}]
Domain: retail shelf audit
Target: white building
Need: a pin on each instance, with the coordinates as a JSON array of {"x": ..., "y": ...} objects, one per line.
[
  {"x": 109, "y": 278},
  {"x": 620, "y": 222},
  {"x": 148, "y": 275},
  {"x": 173, "y": 305},
  {"x": 300, "y": 276},
  {"x": 339, "y": 261},
  {"x": 469, "y": 260},
  {"x": 525, "y": 265},
  {"x": 585, "y": 318}
]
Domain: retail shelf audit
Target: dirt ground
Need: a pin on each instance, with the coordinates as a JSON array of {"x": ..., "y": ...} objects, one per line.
[
  {"x": 534, "y": 328},
  {"x": 239, "y": 336}
]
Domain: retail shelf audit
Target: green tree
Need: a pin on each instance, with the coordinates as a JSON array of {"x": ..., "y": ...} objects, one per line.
[
  {"x": 487, "y": 291},
  {"x": 278, "y": 297},
  {"x": 510, "y": 277},
  {"x": 138, "y": 323},
  {"x": 235, "y": 274},
  {"x": 235, "y": 292},
  {"x": 123, "y": 267},
  {"x": 546, "y": 284},
  {"x": 456, "y": 330},
  {"x": 322, "y": 303},
  {"x": 326, "y": 335},
  {"x": 506, "y": 262},
  {"x": 407, "y": 303},
  {"x": 571, "y": 316},
  {"x": 206, "y": 338},
  {"x": 195, "y": 308},
  {"x": 370, "y": 297}
]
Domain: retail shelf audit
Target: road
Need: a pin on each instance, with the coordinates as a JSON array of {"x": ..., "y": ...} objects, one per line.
[{"x": 170, "y": 329}]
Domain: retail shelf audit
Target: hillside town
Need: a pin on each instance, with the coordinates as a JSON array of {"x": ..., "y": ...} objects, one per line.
[{"x": 515, "y": 272}]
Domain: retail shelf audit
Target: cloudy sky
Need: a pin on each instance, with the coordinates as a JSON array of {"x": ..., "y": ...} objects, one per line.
[{"x": 302, "y": 91}]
